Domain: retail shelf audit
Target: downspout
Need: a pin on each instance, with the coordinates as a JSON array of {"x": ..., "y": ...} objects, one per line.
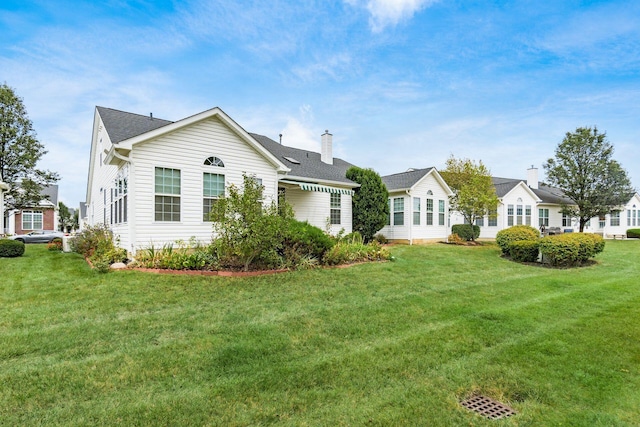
[{"x": 410, "y": 204}]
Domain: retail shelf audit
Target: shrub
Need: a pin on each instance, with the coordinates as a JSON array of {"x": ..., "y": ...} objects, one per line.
[
  {"x": 466, "y": 231},
  {"x": 55, "y": 244},
  {"x": 570, "y": 249},
  {"x": 303, "y": 240},
  {"x": 633, "y": 232},
  {"x": 182, "y": 256},
  {"x": 524, "y": 250},
  {"x": 345, "y": 252},
  {"x": 97, "y": 244},
  {"x": 455, "y": 239},
  {"x": 11, "y": 248},
  {"x": 513, "y": 234}
]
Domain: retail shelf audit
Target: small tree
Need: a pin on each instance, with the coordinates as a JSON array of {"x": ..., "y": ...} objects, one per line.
[
  {"x": 20, "y": 151},
  {"x": 65, "y": 220},
  {"x": 584, "y": 170},
  {"x": 245, "y": 228},
  {"x": 370, "y": 202},
  {"x": 473, "y": 192}
]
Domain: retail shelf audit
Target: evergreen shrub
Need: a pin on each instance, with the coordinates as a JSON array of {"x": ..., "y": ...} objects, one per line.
[
  {"x": 512, "y": 234},
  {"x": 633, "y": 233},
  {"x": 524, "y": 250},
  {"x": 466, "y": 231},
  {"x": 11, "y": 248},
  {"x": 570, "y": 249}
]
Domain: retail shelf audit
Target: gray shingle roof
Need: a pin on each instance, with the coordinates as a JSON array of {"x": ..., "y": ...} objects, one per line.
[
  {"x": 545, "y": 192},
  {"x": 52, "y": 192},
  {"x": 121, "y": 125},
  {"x": 404, "y": 180},
  {"x": 309, "y": 164}
]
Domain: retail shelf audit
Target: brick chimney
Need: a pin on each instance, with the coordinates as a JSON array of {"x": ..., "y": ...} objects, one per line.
[
  {"x": 532, "y": 177},
  {"x": 327, "y": 148}
]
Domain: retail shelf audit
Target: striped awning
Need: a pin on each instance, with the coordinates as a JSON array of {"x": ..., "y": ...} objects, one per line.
[{"x": 324, "y": 189}]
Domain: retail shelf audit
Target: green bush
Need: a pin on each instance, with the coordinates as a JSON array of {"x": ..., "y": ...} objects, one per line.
[
  {"x": 570, "y": 249},
  {"x": 55, "y": 244},
  {"x": 466, "y": 231},
  {"x": 97, "y": 244},
  {"x": 633, "y": 232},
  {"x": 524, "y": 250},
  {"x": 381, "y": 238},
  {"x": 303, "y": 240},
  {"x": 513, "y": 234},
  {"x": 11, "y": 248},
  {"x": 345, "y": 252}
]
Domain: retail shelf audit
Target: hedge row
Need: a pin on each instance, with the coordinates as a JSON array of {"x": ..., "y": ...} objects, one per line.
[
  {"x": 633, "y": 232},
  {"x": 505, "y": 237},
  {"x": 570, "y": 249},
  {"x": 11, "y": 248}
]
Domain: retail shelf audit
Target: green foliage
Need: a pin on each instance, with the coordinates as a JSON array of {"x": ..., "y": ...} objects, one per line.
[
  {"x": 633, "y": 232},
  {"x": 303, "y": 243},
  {"x": 524, "y": 250},
  {"x": 247, "y": 233},
  {"x": 11, "y": 248},
  {"x": 570, "y": 249},
  {"x": 97, "y": 244},
  {"x": 181, "y": 256},
  {"x": 352, "y": 251},
  {"x": 505, "y": 237},
  {"x": 584, "y": 170},
  {"x": 381, "y": 238},
  {"x": 65, "y": 220},
  {"x": 474, "y": 193},
  {"x": 20, "y": 152},
  {"x": 466, "y": 231},
  {"x": 370, "y": 202}
]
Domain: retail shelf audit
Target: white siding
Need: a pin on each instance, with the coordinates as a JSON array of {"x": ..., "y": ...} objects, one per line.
[
  {"x": 411, "y": 232},
  {"x": 314, "y": 207},
  {"x": 186, "y": 149}
]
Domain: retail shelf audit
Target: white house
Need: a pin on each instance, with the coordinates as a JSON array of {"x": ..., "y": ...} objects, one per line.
[
  {"x": 616, "y": 224},
  {"x": 154, "y": 181},
  {"x": 418, "y": 206}
]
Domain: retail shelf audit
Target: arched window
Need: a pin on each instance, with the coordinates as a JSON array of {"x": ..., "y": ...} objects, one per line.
[{"x": 214, "y": 161}]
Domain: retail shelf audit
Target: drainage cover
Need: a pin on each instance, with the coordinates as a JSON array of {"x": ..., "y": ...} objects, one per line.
[{"x": 488, "y": 407}]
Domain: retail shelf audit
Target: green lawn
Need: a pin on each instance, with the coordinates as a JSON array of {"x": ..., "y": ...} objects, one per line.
[{"x": 386, "y": 344}]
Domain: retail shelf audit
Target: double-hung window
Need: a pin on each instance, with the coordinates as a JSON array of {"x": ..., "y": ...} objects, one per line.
[
  {"x": 119, "y": 201},
  {"x": 519, "y": 214},
  {"x": 429, "y": 211},
  {"x": 336, "y": 208},
  {"x": 167, "y": 194},
  {"x": 440, "y": 212},
  {"x": 527, "y": 214},
  {"x": 509, "y": 215},
  {"x": 32, "y": 220},
  {"x": 493, "y": 218},
  {"x": 566, "y": 220},
  {"x": 212, "y": 189},
  {"x": 416, "y": 211},
  {"x": 543, "y": 217},
  {"x": 615, "y": 219},
  {"x": 398, "y": 211}
]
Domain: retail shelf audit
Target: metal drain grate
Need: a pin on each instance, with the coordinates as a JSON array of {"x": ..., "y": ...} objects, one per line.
[{"x": 488, "y": 407}]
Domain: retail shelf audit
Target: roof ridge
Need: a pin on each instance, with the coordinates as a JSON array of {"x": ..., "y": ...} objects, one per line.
[{"x": 132, "y": 114}]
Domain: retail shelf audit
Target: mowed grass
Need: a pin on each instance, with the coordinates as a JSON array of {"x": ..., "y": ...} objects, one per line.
[{"x": 386, "y": 344}]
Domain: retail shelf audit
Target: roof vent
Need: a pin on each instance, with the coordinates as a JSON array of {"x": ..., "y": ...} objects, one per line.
[{"x": 151, "y": 116}]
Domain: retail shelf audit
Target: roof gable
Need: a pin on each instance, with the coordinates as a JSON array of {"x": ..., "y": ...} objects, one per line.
[
  {"x": 121, "y": 125},
  {"x": 409, "y": 179}
]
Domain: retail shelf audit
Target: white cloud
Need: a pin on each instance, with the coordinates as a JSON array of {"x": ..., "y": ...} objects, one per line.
[
  {"x": 385, "y": 13},
  {"x": 300, "y": 131}
]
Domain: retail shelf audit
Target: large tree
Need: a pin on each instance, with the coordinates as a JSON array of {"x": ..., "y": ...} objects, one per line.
[
  {"x": 20, "y": 152},
  {"x": 370, "y": 202},
  {"x": 474, "y": 195},
  {"x": 584, "y": 170}
]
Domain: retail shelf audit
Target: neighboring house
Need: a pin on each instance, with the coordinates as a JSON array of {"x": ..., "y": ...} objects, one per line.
[
  {"x": 4, "y": 187},
  {"x": 418, "y": 206},
  {"x": 616, "y": 224},
  {"x": 43, "y": 216},
  {"x": 154, "y": 181}
]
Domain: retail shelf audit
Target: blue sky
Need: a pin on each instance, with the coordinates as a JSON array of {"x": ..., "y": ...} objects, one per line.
[{"x": 399, "y": 83}]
